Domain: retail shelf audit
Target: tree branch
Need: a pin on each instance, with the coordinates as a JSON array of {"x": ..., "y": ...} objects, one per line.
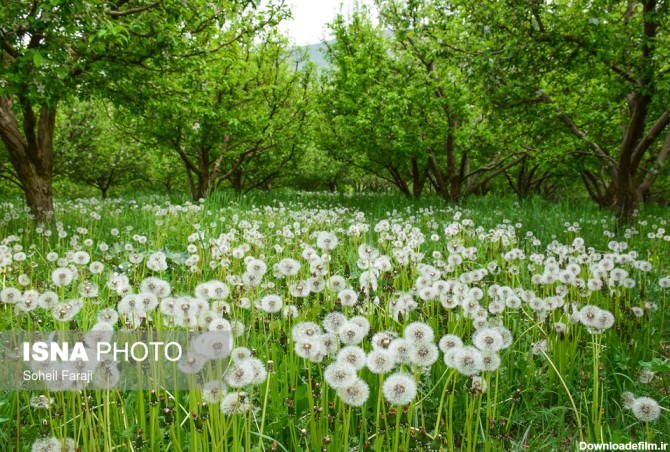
[
  {"x": 130, "y": 11},
  {"x": 575, "y": 130},
  {"x": 495, "y": 173},
  {"x": 656, "y": 168},
  {"x": 649, "y": 139}
]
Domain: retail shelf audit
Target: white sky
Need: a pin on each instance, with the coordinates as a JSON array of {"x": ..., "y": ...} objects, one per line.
[{"x": 310, "y": 17}]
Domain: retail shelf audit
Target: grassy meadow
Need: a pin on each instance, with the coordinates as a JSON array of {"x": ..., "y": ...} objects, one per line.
[{"x": 363, "y": 322}]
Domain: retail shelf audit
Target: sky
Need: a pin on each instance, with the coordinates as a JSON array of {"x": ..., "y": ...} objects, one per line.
[{"x": 310, "y": 17}]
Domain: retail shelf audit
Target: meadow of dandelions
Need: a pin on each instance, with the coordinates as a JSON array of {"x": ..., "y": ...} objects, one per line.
[{"x": 432, "y": 328}]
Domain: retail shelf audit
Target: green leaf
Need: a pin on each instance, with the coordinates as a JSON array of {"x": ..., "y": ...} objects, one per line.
[
  {"x": 37, "y": 59},
  {"x": 656, "y": 365}
]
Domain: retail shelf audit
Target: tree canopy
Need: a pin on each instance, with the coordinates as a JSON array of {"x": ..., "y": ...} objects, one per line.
[{"x": 451, "y": 98}]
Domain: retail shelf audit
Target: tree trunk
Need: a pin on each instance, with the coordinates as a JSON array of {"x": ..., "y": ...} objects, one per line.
[
  {"x": 39, "y": 196},
  {"x": 31, "y": 153},
  {"x": 418, "y": 179},
  {"x": 236, "y": 181}
]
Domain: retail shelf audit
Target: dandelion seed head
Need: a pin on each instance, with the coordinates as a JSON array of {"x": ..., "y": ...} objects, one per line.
[
  {"x": 646, "y": 409},
  {"x": 46, "y": 445},
  {"x": 424, "y": 354},
  {"x": 235, "y": 403},
  {"x": 340, "y": 374},
  {"x": 353, "y": 355},
  {"x": 468, "y": 360},
  {"x": 488, "y": 339},
  {"x": 354, "y": 394},
  {"x": 399, "y": 388},
  {"x": 333, "y": 321},
  {"x": 419, "y": 332},
  {"x": 628, "y": 400}
]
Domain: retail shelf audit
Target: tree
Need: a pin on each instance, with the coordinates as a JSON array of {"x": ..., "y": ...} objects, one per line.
[
  {"x": 240, "y": 120},
  {"x": 54, "y": 49},
  {"x": 404, "y": 106},
  {"x": 89, "y": 149},
  {"x": 598, "y": 70}
]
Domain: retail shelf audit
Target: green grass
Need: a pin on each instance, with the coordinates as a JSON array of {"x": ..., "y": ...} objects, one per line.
[{"x": 534, "y": 401}]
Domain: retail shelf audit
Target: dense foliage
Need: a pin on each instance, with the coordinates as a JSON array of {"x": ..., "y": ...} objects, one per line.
[{"x": 451, "y": 98}]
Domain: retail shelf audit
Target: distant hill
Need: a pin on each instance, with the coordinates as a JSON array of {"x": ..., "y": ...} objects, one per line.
[{"x": 316, "y": 53}]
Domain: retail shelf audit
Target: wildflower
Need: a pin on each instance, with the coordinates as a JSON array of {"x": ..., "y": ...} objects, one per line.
[
  {"x": 252, "y": 279},
  {"x": 271, "y": 303},
  {"x": 62, "y": 276},
  {"x": 628, "y": 399},
  {"x": 130, "y": 305},
  {"x": 488, "y": 339},
  {"x": 506, "y": 335},
  {"x": 213, "y": 344},
  {"x": 539, "y": 347},
  {"x": 212, "y": 391},
  {"x": 478, "y": 385},
  {"x": 257, "y": 267},
  {"x": 235, "y": 403},
  {"x": 290, "y": 311},
  {"x": 383, "y": 339},
  {"x": 192, "y": 363},
  {"x": 46, "y": 445},
  {"x": 645, "y": 376},
  {"x": 65, "y": 311},
  {"x": 424, "y": 354},
  {"x": 313, "y": 349},
  {"x": 218, "y": 290},
  {"x": 96, "y": 267},
  {"x": 449, "y": 341},
  {"x": 448, "y": 302},
  {"x": 41, "y": 402},
  {"x": 260, "y": 373},
  {"x": 513, "y": 302},
  {"x": 490, "y": 361},
  {"x": 239, "y": 354},
  {"x": 467, "y": 360},
  {"x": 419, "y": 332},
  {"x": 305, "y": 331},
  {"x": 366, "y": 252},
  {"x": 331, "y": 343},
  {"x": 81, "y": 258},
  {"x": 646, "y": 409},
  {"x": 240, "y": 374},
  {"x": 401, "y": 349},
  {"x": 560, "y": 327},
  {"x": 380, "y": 361},
  {"x": 167, "y": 306},
  {"x": 326, "y": 241},
  {"x": 337, "y": 283},
  {"x": 100, "y": 332},
  {"x": 354, "y": 394},
  {"x": 368, "y": 281},
  {"x": 299, "y": 289},
  {"x": 334, "y": 321},
  {"x": 288, "y": 267},
  {"x": 604, "y": 320},
  {"x": 347, "y": 297},
  {"x": 353, "y": 355},
  {"x": 399, "y": 388},
  {"x": 157, "y": 262},
  {"x": 46, "y": 300},
  {"x": 316, "y": 285},
  {"x": 340, "y": 374}
]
